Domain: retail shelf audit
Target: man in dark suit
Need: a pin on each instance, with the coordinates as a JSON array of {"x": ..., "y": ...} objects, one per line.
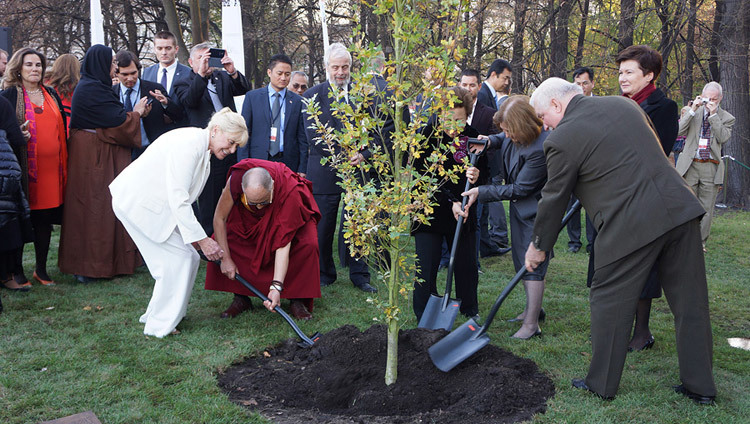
[
  {"x": 326, "y": 191},
  {"x": 274, "y": 119},
  {"x": 132, "y": 88},
  {"x": 168, "y": 71},
  {"x": 497, "y": 85},
  {"x": 205, "y": 91},
  {"x": 605, "y": 150}
]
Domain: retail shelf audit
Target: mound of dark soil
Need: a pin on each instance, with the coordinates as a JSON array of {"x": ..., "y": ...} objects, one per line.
[{"x": 341, "y": 380}]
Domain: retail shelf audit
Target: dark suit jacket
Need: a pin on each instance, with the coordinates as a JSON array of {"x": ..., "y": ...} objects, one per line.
[
  {"x": 482, "y": 123},
  {"x": 323, "y": 177},
  {"x": 257, "y": 113},
  {"x": 383, "y": 95},
  {"x": 486, "y": 98},
  {"x": 605, "y": 151},
  {"x": 160, "y": 119},
  {"x": 192, "y": 93},
  {"x": 524, "y": 170},
  {"x": 663, "y": 114},
  {"x": 181, "y": 73}
]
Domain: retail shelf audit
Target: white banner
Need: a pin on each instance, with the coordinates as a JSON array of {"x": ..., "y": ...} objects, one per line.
[
  {"x": 231, "y": 39},
  {"x": 97, "y": 23},
  {"x": 325, "y": 25}
]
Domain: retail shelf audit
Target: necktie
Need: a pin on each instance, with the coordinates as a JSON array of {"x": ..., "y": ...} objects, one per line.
[
  {"x": 128, "y": 102},
  {"x": 705, "y": 133},
  {"x": 273, "y": 148},
  {"x": 164, "y": 80},
  {"x": 497, "y": 102}
]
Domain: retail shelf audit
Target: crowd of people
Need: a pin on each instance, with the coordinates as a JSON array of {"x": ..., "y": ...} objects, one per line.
[{"x": 157, "y": 165}]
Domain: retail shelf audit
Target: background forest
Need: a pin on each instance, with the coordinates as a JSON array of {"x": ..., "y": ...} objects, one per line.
[{"x": 700, "y": 41}]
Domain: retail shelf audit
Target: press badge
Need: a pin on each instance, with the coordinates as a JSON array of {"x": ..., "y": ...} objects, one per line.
[
  {"x": 702, "y": 143},
  {"x": 274, "y": 132}
]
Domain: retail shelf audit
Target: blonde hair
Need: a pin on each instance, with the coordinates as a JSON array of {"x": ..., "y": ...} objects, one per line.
[
  {"x": 65, "y": 74},
  {"x": 520, "y": 119},
  {"x": 231, "y": 123}
]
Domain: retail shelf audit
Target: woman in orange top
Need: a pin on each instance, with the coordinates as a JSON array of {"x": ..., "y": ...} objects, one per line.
[{"x": 40, "y": 114}]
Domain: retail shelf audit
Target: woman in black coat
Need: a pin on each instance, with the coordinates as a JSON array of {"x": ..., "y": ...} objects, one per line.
[
  {"x": 524, "y": 170},
  {"x": 639, "y": 68},
  {"x": 15, "y": 226}
]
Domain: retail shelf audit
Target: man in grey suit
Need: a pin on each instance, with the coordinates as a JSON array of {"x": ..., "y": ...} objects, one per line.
[
  {"x": 605, "y": 150},
  {"x": 706, "y": 128}
]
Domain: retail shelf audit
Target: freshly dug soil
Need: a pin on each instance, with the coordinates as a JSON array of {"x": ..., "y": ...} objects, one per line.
[{"x": 341, "y": 380}]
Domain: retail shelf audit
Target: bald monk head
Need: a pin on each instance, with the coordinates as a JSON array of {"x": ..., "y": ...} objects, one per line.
[{"x": 257, "y": 185}]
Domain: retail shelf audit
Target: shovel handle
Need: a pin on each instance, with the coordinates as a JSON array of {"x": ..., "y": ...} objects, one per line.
[
  {"x": 519, "y": 275},
  {"x": 264, "y": 298}
]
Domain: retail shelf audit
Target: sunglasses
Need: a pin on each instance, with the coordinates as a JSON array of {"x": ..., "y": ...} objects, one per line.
[
  {"x": 248, "y": 204},
  {"x": 297, "y": 86}
]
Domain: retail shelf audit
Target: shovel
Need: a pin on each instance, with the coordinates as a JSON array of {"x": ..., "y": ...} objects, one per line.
[
  {"x": 441, "y": 312},
  {"x": 465, "y": 340},
  {"x": 306, "y": 341}
]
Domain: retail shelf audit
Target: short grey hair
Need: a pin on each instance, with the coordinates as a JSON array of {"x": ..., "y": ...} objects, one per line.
[
  {"x": 553, "y": 88},
  {"x": 200, "y": 47},
  {"x": 336, "y": 50},
  {"x": 257, "y": 178},
  {"x": 713, "y": 85},
  {"x": 298, "y": 73}
]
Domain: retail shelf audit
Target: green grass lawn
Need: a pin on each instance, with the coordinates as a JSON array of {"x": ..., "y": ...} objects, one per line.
[{"x": 73, "y": 347}]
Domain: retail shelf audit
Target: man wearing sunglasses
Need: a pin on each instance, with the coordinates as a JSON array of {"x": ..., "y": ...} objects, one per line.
[
  {"x": 266, "y": 222},
  {"x": 298, "y": 82}
]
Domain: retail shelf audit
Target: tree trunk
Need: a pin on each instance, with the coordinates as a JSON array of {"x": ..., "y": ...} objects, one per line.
[
  {"x": 687, "y": 80},
  {"x": 199, "y": 20},
  {"x": 173, "y": 23},
  {"x": 559, "y": 42},
  {"x": 578, "y": 62},
  {"x": 733, "y": 55},
  {"x": 627, "y": 24},
  {"x": 713, "y": 58},
  {"x": 517, "y": 58},
  {"x": 130, "y": 27}
]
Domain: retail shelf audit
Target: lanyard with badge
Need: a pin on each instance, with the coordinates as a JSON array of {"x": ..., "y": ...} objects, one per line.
[{"x": 275, "y": 130}]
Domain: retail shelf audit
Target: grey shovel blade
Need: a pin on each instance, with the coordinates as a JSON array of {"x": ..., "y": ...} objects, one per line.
[
  {"x": 435, "y": 317},
  {"x": 457, "y": 346}
]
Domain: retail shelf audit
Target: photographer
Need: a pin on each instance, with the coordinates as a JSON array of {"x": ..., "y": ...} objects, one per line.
[{"x": 706, "y": 128}]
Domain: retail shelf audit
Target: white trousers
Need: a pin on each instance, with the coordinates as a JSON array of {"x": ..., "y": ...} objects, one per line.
[{"x": 173, "y": 265}]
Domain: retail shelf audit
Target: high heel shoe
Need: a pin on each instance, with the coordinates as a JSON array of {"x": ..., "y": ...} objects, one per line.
[
  {"x": 43, "y": 282},
  {"x": 542, "y": 316},
  {"x": 648, "y": 345},
  {"x": 537, "y": 333}
]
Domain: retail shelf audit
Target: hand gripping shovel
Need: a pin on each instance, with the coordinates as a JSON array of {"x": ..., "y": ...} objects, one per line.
[
  {"x": 465, "y": 340},
  {"x": 440, "y": 312},
  {"x": 306, "y": 341}
]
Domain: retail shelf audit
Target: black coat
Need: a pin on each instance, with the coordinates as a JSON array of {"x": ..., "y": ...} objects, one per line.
[
  {"x": 485, "y": 97},
  {"x": 13, "y": 204},
  {"x": 192, "y": 94},
  {"x": 159, "y": 120},
  {"x": 665, "y": 117}
]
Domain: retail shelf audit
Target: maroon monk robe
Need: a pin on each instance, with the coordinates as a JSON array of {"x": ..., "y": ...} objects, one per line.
[{"x": 255, "y": 234}]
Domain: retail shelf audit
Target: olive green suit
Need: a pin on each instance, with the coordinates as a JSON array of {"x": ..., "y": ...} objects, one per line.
[{"x": 605, "y": 151}]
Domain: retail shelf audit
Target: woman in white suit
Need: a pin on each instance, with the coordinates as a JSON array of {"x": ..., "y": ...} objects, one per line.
[{"x": 152, "y": 198}]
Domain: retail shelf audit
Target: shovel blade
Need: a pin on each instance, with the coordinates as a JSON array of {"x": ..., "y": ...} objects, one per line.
[
  {"x": 457, "y": 346},
  {"x": 434, "y": 317}
]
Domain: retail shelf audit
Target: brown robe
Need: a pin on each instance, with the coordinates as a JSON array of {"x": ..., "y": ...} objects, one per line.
[{"x": 93, "y": 243}]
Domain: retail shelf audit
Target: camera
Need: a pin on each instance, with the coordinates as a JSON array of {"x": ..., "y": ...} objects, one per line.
[{"x": 705, "y": 100}]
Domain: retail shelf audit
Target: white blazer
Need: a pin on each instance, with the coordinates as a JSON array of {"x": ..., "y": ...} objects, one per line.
[{"x": 156, "y": 191}]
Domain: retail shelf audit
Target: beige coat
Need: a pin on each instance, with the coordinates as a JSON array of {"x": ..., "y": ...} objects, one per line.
[{"x": 690, "y": 126}]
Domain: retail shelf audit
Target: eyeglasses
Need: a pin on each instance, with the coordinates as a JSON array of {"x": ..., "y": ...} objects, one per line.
[
  {"x": 297, "y": 86},
  {"x": 248, "y": 204}
]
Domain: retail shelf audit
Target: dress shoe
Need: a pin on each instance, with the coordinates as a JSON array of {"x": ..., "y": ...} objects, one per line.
[
  {"x": 542, "y": 317},
  {"x": 579, "y": 383},
  {"x": 366, "y": 287},
  {"x": 239, "y": 305},
  {"x": 299, "y": 310},
  {"x": 699, "y": 399},
  {"x": 574, "y": 249},
  {"x": 648, "y": 345},
  {"x": 14, "y": 286},
  {"x": 325, "y": 283},
  {"x": 537, "y": 333},
  {"x": 43, "y": 282},
  {"x": 85, "y": 280}
]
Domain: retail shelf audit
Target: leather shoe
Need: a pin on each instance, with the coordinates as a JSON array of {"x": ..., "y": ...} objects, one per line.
[
  {"x": 367, "y": 288},
  {"x": 43, "y": 282},
  {"x": 498, "y": 252},
  {"x": 542, "y": 317},
  {"x": 13, "y": 286},
  {"x": 85, "y": 280},
  {"x": 579, "y": 383},
  {"x": 239, "y": 305},
  {"x": 574, "y": 249},
  {"x": 648, "y": 345},
  {"x": 695, "y": 397},
  {"x": 325, "y": 283},
  {"x": 299, "y": 310},
  {"x": 537, "y": 333}
]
